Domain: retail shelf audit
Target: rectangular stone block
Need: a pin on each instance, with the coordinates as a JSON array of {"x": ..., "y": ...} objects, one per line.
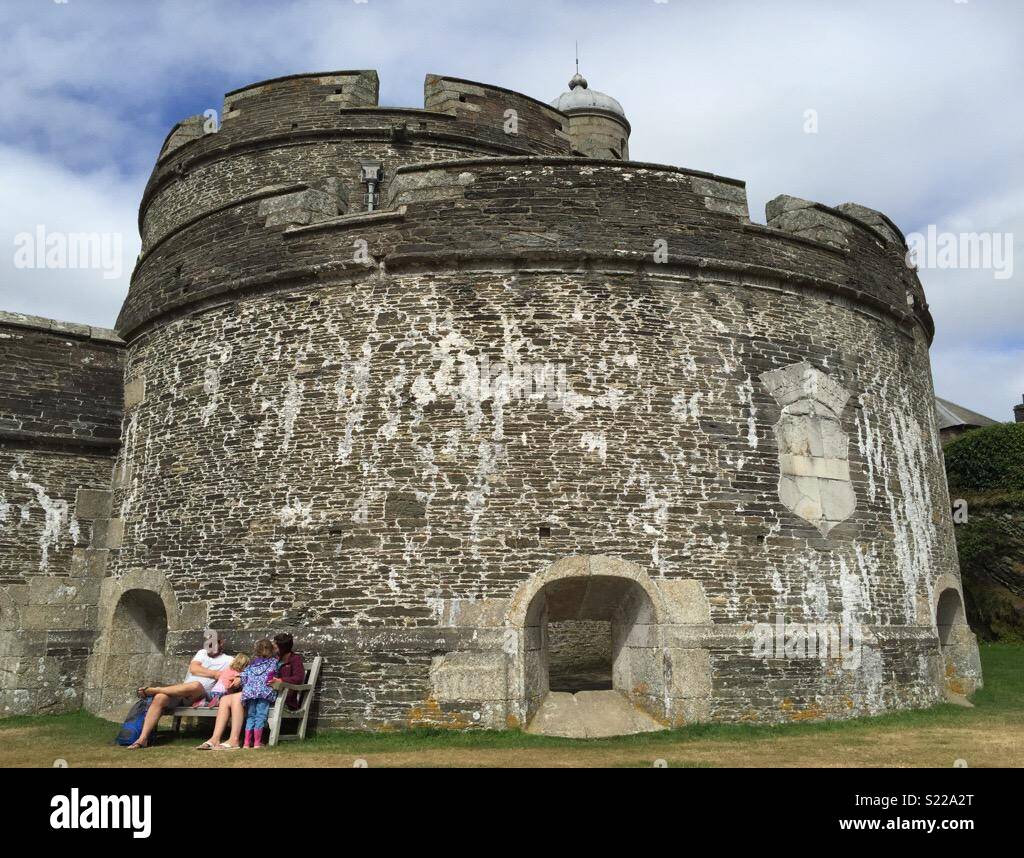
[
  {"x": 93, "y": 503},
  {"x": 63, "y": 591},
  {"x": 134, "y": 392},
  {"x": 59, "y": 617},
  {"x": 108, "y": 533},
  {"x": 474, "y": 613},
  {"x": 469, "y": 677},
  {"x": 691, "y": 672},
  {"x": 89, "y": 562},
  {"x": 302, "y": 207},
  {"x": 685, "y": 601},
  {"x": 642, "y": 635},
  {"x": 640, "y": 671}
]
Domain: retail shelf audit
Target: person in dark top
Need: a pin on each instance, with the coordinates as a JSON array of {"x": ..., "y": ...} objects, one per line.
[{"x": 290, "y": 668}]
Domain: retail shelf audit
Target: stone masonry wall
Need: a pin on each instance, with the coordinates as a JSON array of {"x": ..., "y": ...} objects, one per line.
[
  {"x": 331, "y": 463},
  {"x": 60, "y": 392}
]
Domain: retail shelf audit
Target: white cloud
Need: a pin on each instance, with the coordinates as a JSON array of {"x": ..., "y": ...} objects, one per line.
[
  {"x": 48, "y": 195},
  {"x": 920, "y": 106}
]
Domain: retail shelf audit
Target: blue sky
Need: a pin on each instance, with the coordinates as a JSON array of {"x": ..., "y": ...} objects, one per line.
[{"x": 920, "y": 109}]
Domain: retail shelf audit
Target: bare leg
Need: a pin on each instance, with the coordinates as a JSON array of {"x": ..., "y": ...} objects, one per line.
[
  {"x": 165, "y": 698},
  {"x": 237, "y": 719},
  {"x": 223, "y": 713},
  {"x": 156, "y": 709},
  {"x": 230, "y": 707},
  {"x": 190, "y": 690}
]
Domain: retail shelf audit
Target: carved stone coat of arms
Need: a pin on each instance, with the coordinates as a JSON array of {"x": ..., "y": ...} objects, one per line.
[{"x": 814, "y": 452}]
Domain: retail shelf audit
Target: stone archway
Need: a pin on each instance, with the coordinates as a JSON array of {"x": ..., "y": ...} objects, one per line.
[
  {"x": 958, "y": 647},
  {"x": 608, "y": 622},
  {"x": 599, "y": 593},
  {"x": 141, "y": 629},
  {"x": 136, "y": 644}
]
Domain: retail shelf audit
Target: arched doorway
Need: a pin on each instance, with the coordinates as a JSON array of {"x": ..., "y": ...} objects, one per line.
[
  {"x": 958, "y": 647},
  {"x": 136, "y": 642},
  {"x": 949, "y": 613},
  {"x": 589, "y": 632}
]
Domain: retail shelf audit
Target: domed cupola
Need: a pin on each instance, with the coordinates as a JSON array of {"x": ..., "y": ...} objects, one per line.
[{"x": 597, "y": 123}]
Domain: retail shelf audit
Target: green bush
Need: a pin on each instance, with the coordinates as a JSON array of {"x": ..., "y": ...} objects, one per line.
[{"x": 987, "y": 459}]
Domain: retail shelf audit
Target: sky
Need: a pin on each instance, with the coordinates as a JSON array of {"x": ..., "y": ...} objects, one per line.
[{"x": 918, "y": 106}]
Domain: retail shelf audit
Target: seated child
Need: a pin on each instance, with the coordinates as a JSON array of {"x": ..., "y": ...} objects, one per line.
[
  {"x": 224, "y": 682},
  {"x": 257, "y": 693}
]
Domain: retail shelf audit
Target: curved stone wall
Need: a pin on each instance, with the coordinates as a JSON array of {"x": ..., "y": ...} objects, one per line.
[{"x": 378, "y": 428}]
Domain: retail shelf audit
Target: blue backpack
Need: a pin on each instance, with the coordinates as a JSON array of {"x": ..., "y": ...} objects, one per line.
[{"x": 131, "y": 729}]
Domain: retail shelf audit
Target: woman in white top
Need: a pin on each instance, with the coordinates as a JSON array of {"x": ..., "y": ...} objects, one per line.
[{"x": 202, "y": 675}]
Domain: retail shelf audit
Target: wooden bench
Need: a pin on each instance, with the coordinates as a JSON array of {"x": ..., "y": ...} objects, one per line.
[{"x": 279, "y": 713}]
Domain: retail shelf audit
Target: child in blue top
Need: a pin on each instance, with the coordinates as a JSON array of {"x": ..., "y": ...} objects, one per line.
[{"x": 257, "y": 695}]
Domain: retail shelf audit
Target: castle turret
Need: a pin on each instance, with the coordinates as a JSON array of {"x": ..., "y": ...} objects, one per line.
[
  {"x": 597, "y": 123},
  {"x": 1018, "y": 413},
  {"x": 479, "y": 420}
]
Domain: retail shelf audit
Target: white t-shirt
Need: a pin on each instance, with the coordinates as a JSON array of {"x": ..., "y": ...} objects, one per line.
[{"x": 210, "y": 663}]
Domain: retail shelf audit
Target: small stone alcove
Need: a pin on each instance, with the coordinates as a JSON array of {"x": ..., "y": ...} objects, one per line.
[
  {"x": 957, "y": 644},
  {"x": 588, "y": 629},
  {"x": 134, "y": 645},
  {"x": 139, "y": 630}
]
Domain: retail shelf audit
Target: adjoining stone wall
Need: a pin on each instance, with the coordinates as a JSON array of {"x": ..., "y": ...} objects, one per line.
[{"x": 59, "y": 424}]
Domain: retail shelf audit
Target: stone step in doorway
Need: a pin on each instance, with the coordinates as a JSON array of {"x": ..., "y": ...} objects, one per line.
[{"x": 590, "y": 715}]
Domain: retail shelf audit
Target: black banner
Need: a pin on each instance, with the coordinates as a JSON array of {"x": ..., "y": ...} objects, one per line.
[{"x": 157, "y": 806}]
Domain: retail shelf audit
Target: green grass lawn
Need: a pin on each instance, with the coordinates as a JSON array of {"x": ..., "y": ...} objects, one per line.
[{"x": 992, "y": 733}]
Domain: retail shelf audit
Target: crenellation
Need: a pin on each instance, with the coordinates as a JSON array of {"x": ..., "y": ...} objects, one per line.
[{"x": 183, "y": 133}]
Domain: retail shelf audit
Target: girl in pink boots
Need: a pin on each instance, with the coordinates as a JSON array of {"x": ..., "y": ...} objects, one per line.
[{"x": 257, "y": 695}]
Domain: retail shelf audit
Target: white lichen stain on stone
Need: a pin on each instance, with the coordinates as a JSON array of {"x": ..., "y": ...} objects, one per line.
[
  {"x": 869, "y": 443},
  {"x": 291, "y": 404},
  {"x": 211, "y": 387},
  {"x": 855, "y": 592},
  {"x": 295, "y": 513},
  {"x": 746, "y": 398},
  {"x": 595, "y": 443},
  {"x": 391, "y": 407},
  {"x": 686, "y": 408},
  {"x": 55, "y": 519},
  {"x": 353, "y": 390}
]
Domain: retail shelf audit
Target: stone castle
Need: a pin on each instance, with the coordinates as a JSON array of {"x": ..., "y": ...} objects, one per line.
[{"x": 479, "y": 408}]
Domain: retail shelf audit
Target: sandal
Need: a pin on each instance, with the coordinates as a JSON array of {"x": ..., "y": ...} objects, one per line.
[
  {"x": 206, "y": 746},
  {"x": 137, "y": 746},
  {"x": 224, "y": 746}
]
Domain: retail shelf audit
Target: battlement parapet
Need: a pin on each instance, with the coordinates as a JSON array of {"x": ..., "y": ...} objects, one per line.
[
  {"x": 302, "y": 128},
  {"x": 526, "y": 208}
]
